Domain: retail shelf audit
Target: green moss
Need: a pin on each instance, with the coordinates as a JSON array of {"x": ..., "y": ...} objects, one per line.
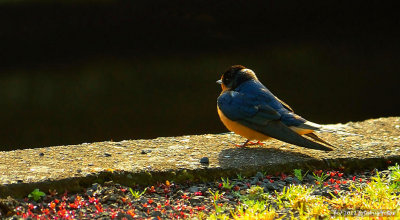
[{"x": 183, "y": 176}]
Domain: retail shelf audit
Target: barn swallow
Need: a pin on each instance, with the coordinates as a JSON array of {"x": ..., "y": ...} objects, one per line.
[{"x": 246, "y": 107}]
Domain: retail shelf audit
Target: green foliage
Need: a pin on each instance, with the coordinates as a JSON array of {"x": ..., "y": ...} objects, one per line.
[
  {"x": 255, "y": 190},
  {"x": 136, "y": 194},
  {"x": 218, "y": 216},
  {"x": 254, "y": 210},
  {"x": 320, "y": 178},
  {"x": 256, "y": 193},
  {"x": 378, "y": 188},
  {"x": 291, "y": 194},
  {"x": 217, "y": 196},
  {"x": 299, "y": 201},
  {"x": 377, "y": 194},
  {"x": 36, "y": 194},
  {"x": 295, "y": 191},
  {"x": 226, "y": 184},
  {"x": 394, "y": 176},
  {"x": 240, "y": 177},
  {"x": 298, "y": 174}
]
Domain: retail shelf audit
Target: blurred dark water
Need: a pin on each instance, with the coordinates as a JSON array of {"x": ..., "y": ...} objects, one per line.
[{"x": 74, "y": 72}]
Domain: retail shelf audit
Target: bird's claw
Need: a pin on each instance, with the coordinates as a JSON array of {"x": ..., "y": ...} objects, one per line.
[{"x": 248, "y": 142}]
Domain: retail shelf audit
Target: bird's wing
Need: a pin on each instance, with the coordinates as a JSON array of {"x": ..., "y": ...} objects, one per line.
[
  {"x": 237, "y": 106},
  {"x": 258, "y": 115}
]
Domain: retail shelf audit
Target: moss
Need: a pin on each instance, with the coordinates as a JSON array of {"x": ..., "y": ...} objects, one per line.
[
  {"x": 100, "y": 181},
  {"x": 183, "y": 176}
]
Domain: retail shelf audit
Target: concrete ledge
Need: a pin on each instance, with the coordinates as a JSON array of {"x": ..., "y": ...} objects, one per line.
[{"x": 376, "y": 145}]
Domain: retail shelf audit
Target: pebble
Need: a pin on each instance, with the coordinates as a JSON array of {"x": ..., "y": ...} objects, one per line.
[
  {"x": 145, "y": 151},
  {"x": 90, "y": 192},
  {"x": 204, "y": 160},
  {"x": 326, "y": 192},
  {"x": 373, "y": 144},
  {"x": 196, "y": 200},
  {"x": 112, "y": 198},
  {"x": 289, "y": 180},
  {"x": 180, "y": 193},
  {"x": 156, "y": 214},
  {"x": 271, "y": 186},
  {"x": 193, "y": 189},
  {"x": 113, "y": 206},
  {"x": 254, "y": 181},
  {"x": 95, "y": 186},
  {"x": 280, "y": 184},
  {"x": 260, "y": 175},
  {"x": 310, "y": 177}
]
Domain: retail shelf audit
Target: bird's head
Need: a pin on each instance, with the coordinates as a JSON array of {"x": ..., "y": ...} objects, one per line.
[{"x": 235, "y": 76}]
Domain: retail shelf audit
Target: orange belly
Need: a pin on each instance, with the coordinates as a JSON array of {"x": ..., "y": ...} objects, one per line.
[
  {"x": 249, "y": 133},
  {"x": 241, "y": 129}
]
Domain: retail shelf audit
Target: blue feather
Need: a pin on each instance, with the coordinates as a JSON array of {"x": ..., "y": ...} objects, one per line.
[{"x": 253, "y": 102}]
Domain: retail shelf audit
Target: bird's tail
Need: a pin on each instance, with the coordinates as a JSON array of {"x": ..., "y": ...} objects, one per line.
[
  {"x": 316, "y": 138},
  {"x": 336, "y": 129},
  {"x": 278, "y": 130}
]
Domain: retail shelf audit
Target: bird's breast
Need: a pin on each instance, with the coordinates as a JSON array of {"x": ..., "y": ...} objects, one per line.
[{"x": 241, "y": 129}]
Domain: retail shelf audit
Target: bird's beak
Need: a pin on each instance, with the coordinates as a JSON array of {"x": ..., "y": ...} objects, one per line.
[{"x": 219, "y": 81}]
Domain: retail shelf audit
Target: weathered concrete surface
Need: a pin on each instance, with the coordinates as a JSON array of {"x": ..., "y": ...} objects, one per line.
[{"x": 177, "y": 158}]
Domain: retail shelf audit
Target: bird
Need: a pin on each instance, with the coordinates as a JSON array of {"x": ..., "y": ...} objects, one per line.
[{"x": 247, "y": 108}]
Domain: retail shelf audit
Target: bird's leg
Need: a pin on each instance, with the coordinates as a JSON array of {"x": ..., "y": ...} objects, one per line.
[
  {"x": 248, "y": 142},
  {"x": 243, "y": 145},
  {"x": 259, "y": 143}
]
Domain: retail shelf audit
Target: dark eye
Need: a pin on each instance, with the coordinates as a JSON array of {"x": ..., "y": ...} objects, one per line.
[{"x": 226, "y": 80}]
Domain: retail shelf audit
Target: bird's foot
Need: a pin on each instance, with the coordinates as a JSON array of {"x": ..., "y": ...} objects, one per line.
[{"x": 248, "y": 142}]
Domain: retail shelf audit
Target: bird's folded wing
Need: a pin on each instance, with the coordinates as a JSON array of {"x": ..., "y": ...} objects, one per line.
[
  {"x": 237, "y": 106},
  {"x": 258, "y": 115},
  {"x": 278, "y": 130}
]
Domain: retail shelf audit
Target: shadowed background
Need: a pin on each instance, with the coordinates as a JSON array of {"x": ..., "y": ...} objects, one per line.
[{"x": 73, "y": 72}]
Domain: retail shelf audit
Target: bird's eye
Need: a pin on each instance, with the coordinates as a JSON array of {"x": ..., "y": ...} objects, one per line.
[{"x": 227, "y": 80}]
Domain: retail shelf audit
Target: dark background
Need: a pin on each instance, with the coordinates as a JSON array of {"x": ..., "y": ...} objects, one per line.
[{"x": 73, "y": 71}]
